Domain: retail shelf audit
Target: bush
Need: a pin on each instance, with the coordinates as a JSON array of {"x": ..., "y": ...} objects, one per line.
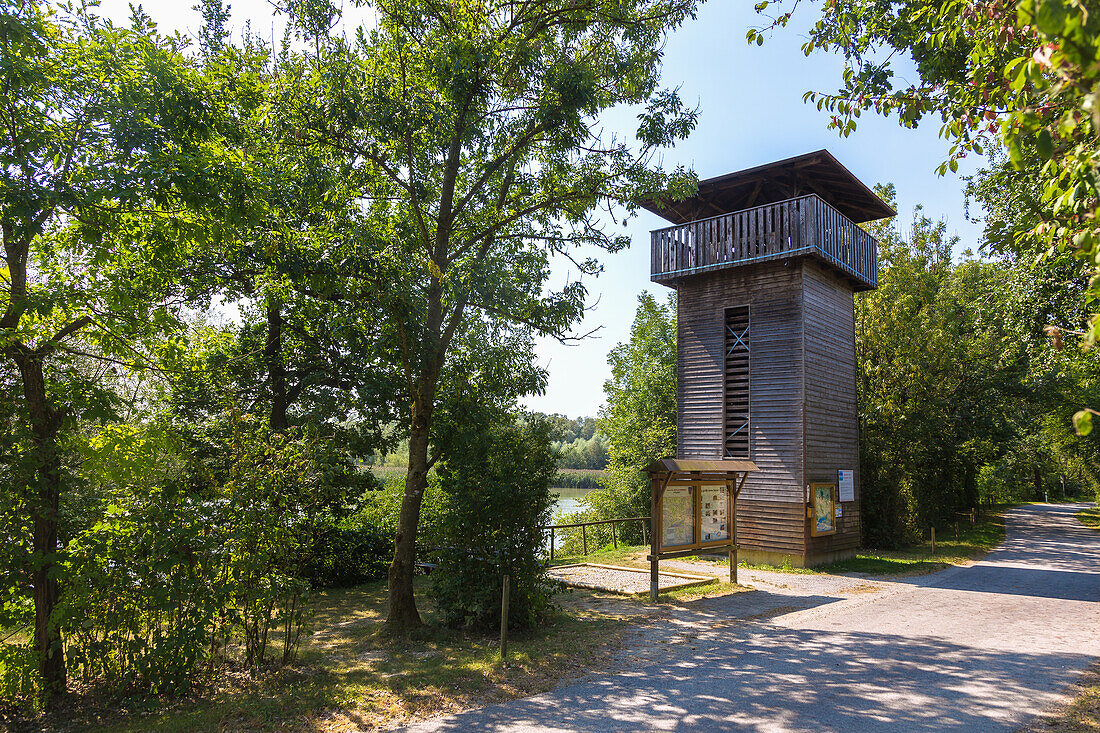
[
  {"x": 496, "y": 496},
  {"x": 359, "y": 548},
  {"x": 157, "y": 589},
  {"x": 18, "y": 674},
  {"x": 351, "y": 551}
]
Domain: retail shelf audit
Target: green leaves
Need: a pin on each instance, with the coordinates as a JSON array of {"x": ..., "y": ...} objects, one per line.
[
  {"x": 1082, "y": 421},
  {"x": 1044, "y": 145},
  {"x": 1021, "y": 76}
]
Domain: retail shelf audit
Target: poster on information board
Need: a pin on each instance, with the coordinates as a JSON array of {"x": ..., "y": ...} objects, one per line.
[
  {"x": 715, "y": 513},
  {"x": 678, "y": 516}
]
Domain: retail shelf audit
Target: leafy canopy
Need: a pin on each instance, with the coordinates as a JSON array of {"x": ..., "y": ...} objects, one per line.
[{"x": 1024, "y": 73}]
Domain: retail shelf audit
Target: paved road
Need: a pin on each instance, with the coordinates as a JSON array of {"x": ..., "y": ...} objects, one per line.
[{"x": 981, "y": 648}]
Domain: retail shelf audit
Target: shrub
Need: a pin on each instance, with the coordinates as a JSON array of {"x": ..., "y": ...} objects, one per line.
[
  {"x": 359, "y": 548},
  {"x": 496, "y": 495},
  {"x": 159, "y": 586},
  {"x": 348, "y": 552},
  {"x": 18, "y": 674}
]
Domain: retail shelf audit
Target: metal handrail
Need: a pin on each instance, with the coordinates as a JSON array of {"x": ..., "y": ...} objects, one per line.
[{"x": 584, "y": 534}]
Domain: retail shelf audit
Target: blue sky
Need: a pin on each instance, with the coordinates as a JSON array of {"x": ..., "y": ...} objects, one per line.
[{"x": 751, "y": 112}]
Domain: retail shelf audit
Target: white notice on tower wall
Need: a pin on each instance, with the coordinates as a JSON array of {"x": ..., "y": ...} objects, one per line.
[{"x": 847, "y": 481}]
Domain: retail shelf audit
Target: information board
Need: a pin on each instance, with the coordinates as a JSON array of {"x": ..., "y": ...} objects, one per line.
[
  {"x": 847, "y": 481},
  {"x": 822, "y": 509},
  {"x": 715, "y": 511},
  {"x": 678, "y": 516}
]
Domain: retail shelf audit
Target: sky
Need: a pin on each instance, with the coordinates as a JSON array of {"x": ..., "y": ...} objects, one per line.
[{"x": 751, "y": 112}]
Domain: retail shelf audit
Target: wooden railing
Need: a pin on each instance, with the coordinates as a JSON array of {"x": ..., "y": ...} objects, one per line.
[{"x": 799, "y": 226}]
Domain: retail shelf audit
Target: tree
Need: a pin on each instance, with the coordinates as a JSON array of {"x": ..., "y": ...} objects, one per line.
[
  {"x": 958, "y": 392},
  {"x": 935, "y": 373},
  {"x": 475, "y": 128},
  {"x": 1025, "y": 73},
  {"x": 639, "y": 418},
  {"x": 100, "y": 130}
]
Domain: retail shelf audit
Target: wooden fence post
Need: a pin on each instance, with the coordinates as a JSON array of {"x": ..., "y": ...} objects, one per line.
[
  {"x": 614, "y": 539},
  {"x": 504, "y": 620},
  {"x": 933, "y": 540},
  {"x": 584, "y": 538},
  {"x": 551, "y": 543}
]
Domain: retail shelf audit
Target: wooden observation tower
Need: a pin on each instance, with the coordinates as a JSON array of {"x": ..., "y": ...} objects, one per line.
[{"x": 765, "y": 263}]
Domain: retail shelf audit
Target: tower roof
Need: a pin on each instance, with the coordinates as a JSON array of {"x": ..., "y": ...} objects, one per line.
[{"x": 812, "y": 173}]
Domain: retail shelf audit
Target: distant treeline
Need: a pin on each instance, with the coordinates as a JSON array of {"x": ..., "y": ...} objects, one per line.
[
  {"x": 579, "y": 479},
  {"x": 577, "y": 440},
  {"x": 581, "y": 445},
  {"x": 569, "y": 478}
]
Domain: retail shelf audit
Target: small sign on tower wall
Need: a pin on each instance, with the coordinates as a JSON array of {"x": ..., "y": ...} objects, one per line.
[{"x": 847, "y": 481}]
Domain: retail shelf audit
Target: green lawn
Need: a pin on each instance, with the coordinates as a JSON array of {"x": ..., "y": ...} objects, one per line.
[
  {"x": 973, "y": 543},
  {"x": 1090, "y": 517}
]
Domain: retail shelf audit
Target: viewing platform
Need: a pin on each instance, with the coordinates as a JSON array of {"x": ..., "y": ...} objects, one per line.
[
  {"x": 809, "y": 206},
  {"x": 792, "y": 228}
]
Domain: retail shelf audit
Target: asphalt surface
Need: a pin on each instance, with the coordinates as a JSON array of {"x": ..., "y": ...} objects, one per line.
[{"x": 980, "y": 648}]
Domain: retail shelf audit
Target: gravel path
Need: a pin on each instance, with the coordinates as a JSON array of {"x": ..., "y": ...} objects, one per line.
[
  {"x": 980, "y": 648},
  {"x": 619, "y": 580}
]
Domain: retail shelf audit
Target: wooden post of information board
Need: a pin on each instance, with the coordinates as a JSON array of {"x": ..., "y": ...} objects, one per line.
[
  {"x": 733, "y": 523},
  {"x": 654, "y": 503},
  {"x": 733, "y": 531}
]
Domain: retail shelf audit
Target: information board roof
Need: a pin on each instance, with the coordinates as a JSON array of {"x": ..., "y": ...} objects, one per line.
[{"x": 701, "y": 465}]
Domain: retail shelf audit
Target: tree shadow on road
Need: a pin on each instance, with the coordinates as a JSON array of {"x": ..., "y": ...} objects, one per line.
[{"x": 758, "y": 677}]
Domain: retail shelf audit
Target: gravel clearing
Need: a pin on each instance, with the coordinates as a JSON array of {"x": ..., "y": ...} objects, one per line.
[{"x": 619, "y": 580}]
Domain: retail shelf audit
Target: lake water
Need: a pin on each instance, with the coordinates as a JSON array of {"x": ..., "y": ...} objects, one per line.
[{"x": 569, "y": 500}]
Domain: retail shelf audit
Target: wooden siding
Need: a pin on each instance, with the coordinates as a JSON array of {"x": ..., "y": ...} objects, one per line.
[
  {"x": 802, "y": 226},
  {"x": 772, "y": 290},
  {"x": 831, "y": 440},
  {"x": 803, "y": 422},
  {"x": 771, "y": 526}
]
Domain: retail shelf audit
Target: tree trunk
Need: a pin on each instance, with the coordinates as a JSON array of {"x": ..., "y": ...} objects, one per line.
[
  {"x": 403, "y": 614},
  {"x": 1038, "y": 477},
  {"x": 970, "y": 487},
  {"x": 276, "y": 369},
  {"x": 46, "y": 481}
]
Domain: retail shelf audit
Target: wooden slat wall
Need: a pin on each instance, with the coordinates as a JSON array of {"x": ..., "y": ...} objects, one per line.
[
  {"x": 772, "y": 526},
  {"x": 772, "y": 290},
  {"x": 832, "y": 428}
]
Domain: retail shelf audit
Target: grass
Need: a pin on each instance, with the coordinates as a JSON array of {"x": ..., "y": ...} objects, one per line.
[
  {"x": 1081, "y": 714},
  {"x": 1090, "y": 517},
  {"x": 352, "y": 676},
  {"x": 972, "y": 544}
]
